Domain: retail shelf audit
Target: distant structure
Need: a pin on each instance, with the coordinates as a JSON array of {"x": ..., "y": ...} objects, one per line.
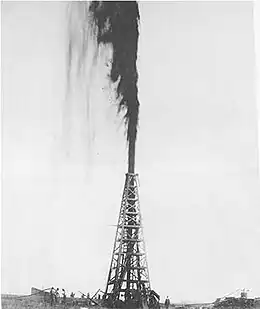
[
  {"x": 230, "y": 301},
  {"x": 39, "y": 294}
]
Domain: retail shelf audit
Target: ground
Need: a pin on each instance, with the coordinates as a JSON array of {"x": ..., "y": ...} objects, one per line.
[
  {"x": 29, "y": 303},
  {"x": 18, "y": 302}
]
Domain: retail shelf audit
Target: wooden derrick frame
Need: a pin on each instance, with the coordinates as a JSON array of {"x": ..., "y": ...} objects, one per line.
[{"x": 128, "y": 278}]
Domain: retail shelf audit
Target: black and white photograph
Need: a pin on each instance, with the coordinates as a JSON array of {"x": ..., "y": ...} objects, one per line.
[{"x": 130, "y": 150}]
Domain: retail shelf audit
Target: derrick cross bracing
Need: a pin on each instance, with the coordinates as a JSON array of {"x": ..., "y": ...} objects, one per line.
[{"x": 128, "y": 279}]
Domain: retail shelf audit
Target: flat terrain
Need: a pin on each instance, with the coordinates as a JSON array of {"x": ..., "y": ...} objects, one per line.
[{"x": 20, "y": 302}]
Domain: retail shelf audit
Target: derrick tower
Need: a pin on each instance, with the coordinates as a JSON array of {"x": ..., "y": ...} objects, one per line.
[{"x": 128, "y": 279}]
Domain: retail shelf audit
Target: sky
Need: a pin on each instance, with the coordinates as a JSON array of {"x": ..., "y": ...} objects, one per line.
[{"x": 63, "y": 171}]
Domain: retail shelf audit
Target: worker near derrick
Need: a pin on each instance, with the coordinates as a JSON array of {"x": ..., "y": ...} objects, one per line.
[
  {"x": 57, "y": 296},
  {"x": 63, "y": 296},
  {"x": 88, "y": 302},
  {"x": 167, "y": 302},
  {"x": 52, "y": 296},
  {"x": 72, "y": 295}
]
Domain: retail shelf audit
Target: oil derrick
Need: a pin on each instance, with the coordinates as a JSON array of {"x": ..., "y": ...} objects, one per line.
[{"x": 128, "y": 281}]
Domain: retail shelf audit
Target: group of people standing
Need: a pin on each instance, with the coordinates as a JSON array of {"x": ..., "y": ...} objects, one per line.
[{"x": 55, "y": 297}]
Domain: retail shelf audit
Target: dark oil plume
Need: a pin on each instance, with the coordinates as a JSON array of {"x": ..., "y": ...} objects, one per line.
[{"x": 114, "y": 25}]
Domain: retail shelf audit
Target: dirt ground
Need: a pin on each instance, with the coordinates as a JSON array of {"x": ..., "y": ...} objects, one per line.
[{"x": 29, "y": 303}]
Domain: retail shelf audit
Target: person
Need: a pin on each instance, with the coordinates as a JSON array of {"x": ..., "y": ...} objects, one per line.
[
  {"x": 167, "y": 302},
  {"x": 88, "y": 299},
  {"x": 57, "y": 296},
  {"x": 72, "y": 295},
  {"x": 63, "y": 296},
  {"x": 52, "y": 296}
]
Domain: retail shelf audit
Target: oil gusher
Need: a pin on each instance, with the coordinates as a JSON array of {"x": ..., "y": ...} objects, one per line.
[
  {"x": 128, "y": 283},
  {"x": 115, "y": 24}
]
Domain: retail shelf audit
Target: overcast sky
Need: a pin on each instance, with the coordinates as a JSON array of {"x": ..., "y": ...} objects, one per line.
[{"x": 196, "y": 154}]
